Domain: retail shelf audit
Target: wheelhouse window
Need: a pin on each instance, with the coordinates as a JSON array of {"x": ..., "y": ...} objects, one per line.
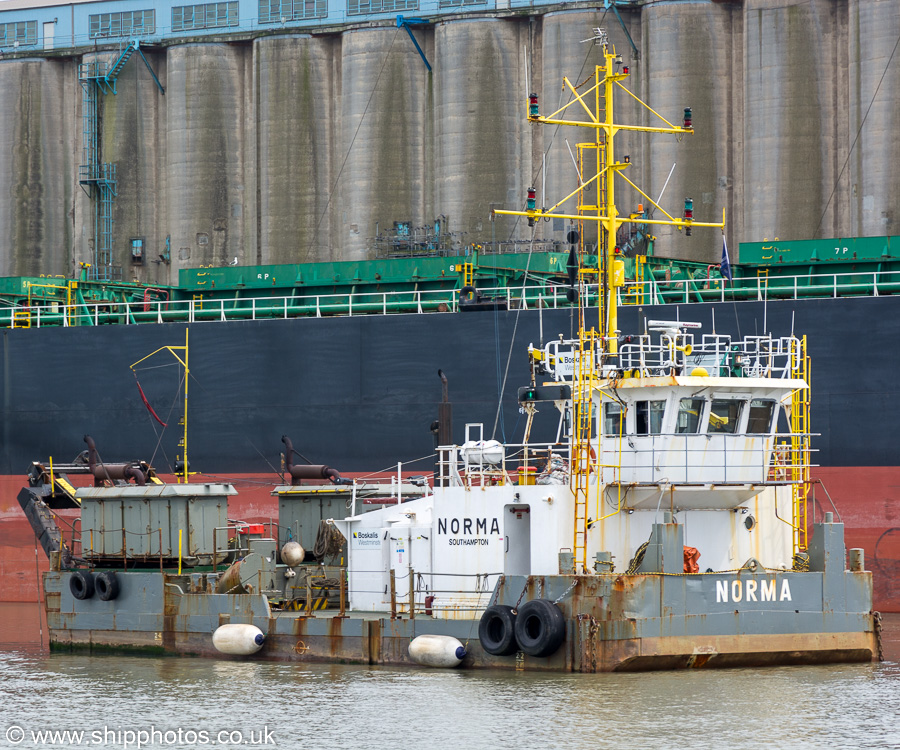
[
  {"x": 649, "y": 417},
  {"x": 689, "y": 412},
  {"x": 613, "y": 418},
  {"x": 724, "y": 415},
  {"x": 759, "y": 421}
]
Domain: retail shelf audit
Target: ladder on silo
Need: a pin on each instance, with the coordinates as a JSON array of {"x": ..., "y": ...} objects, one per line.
[{"x": 96, "y": 177}]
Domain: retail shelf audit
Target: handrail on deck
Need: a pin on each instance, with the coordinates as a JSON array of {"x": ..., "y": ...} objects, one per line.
[{"x": 548, "y": 295}]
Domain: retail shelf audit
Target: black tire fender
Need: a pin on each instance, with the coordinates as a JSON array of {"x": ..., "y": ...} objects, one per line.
[
  {"x": 540, "y": 627},
  {"x": 81, "y": 584},
  {"x": 107, "y": 585},
  {"x": 497, "y": 630}
]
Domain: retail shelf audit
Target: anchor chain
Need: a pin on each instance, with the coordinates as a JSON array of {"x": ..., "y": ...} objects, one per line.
[
  {"x": 521, "y": 596},
  {"x": 566, "y": 592},
  {"x": 493, "y": 600}
]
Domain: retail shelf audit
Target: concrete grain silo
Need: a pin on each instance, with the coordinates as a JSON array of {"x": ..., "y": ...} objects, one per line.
[
  {"x": 690, "y": 62},
  {"x": 300, "y": 143},
  {"x": 794, "y": 138},
  {"x": 482, "y": 142},
  {"x": 381, "y": 157},
  {"x": 36, "y": 161},
  {"x": 210, "y": 154},
  {"x": 298, "y": 85},
  {"x": 874, "y": 110}
]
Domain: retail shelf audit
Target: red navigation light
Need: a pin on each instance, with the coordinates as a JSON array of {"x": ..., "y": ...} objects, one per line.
[
  {"x": 625, "y": 70},
  {"x": 688, "y": 119},
  {"x": 531, "y": 204},
  {"x": 688, "y": 215},
  {"x": 533, "y": 105},
  {"x": 617, "y": 250}
]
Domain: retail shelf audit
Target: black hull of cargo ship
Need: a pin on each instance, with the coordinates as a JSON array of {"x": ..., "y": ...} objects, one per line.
[{"x": 360, "y": 394}]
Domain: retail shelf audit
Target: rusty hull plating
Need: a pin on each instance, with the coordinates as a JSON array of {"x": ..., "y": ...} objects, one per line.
[{"x": 614, "y": 622}]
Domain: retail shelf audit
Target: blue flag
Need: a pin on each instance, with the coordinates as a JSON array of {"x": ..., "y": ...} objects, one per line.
[{"x": 725, "y": 266}]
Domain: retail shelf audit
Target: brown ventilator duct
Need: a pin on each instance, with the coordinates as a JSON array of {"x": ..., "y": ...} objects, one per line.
[
  {"x": 307, "y": 471},
  {"x": 445, "y": 413},
  {"x": 443, "y": 429},
  {"x": 112, "y": 472}
]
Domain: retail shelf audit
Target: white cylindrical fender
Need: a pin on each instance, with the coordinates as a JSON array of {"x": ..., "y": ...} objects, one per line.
[
  {"x": 239, "y": 640},
  {"x": 292, "y": 554},
  {"x": 437, "y": 651}
]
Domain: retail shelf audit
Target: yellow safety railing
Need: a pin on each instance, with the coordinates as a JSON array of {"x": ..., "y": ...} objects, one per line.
[{"x": 634, "y": 292}]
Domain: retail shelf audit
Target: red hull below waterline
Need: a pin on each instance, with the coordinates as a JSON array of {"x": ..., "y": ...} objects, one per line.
[{"x": 867, "y": 500}]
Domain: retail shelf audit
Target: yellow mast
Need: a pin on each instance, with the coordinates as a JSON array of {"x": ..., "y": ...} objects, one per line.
[
  {"x": 611, "y": 271},
  {"x": 183, "y": 474}
]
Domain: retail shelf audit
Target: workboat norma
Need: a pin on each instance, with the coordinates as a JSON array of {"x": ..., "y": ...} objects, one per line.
[{"x": 666, "y": 525}]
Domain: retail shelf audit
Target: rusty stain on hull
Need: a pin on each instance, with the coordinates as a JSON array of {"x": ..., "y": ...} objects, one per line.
[
  {"x": 613, "y": 623},
  {"x": 583, "y": 654}
]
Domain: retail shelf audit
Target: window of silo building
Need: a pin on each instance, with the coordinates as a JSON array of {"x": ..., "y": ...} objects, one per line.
[
  {"x": 20, "y": 34},
  {"x": 277, "y": 11},
  {"x": 129, "y": 23},
  {"x": 209, "y": 16},
  {"x": 360, "y": 7},
  {"x": 460, "y": 3}
]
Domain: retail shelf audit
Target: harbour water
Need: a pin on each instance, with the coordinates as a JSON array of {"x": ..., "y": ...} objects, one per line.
[{"x": 130, "y": 702}]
